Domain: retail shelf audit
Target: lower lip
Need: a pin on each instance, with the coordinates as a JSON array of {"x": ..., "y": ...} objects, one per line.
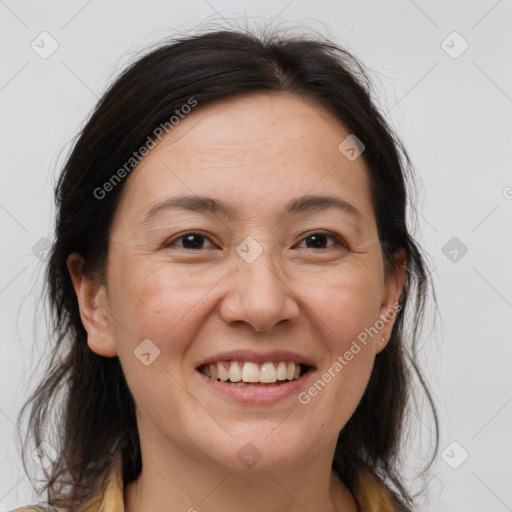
[{"x": 259, "y": 395}]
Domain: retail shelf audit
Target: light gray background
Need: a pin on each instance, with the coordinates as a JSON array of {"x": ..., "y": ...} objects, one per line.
[{"x": 453, "y": 114}]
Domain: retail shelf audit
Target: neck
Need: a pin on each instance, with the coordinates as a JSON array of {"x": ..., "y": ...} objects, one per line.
[{"x": 194, "y": 484}]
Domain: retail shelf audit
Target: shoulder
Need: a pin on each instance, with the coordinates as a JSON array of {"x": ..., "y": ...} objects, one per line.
[
  {"x": 372, "y": 493},
  {"x": 107, "y": 498},
  {"x": 29, "y": 509}
]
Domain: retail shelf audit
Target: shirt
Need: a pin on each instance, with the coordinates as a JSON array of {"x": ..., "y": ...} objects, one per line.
[
  {"x": 371, "y": 495},
  {"x": 108, "y": 499}
]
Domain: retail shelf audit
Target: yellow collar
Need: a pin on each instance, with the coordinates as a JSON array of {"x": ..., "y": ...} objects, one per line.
[
  {"x": 113, "y": 500},
  {"x": 371, "y": 494},
  {"x": 110, "y": 497}
]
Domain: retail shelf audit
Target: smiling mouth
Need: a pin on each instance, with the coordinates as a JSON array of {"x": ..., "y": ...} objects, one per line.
[{"x": 247, "y": 374}]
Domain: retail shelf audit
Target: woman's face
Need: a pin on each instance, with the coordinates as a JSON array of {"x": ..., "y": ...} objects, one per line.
[{"x": 260, "y": 272}]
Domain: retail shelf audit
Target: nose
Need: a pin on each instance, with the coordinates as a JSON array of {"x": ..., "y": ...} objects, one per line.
[{"x": 259, "y": 295}]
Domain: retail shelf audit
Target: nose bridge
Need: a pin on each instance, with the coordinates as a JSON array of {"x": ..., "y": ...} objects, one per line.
[
  {"x": 258, "y": 292},
  {"x": 262, "y": 275}
]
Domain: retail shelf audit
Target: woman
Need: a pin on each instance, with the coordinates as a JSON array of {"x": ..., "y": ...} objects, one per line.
[{"x": 211, "y": 352}]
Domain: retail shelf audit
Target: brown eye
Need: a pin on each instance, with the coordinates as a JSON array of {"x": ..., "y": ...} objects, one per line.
[
  {"x": 319, "y": 240},
  {"x": 192, "y": 241}
]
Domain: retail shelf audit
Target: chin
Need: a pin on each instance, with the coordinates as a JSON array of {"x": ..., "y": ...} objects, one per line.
[{"x": 262, "y": 450}]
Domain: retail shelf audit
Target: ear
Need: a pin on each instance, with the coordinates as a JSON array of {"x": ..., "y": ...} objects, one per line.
[
  {"x": 94, "y": 313},
  {"x": 389, "y": 308}
]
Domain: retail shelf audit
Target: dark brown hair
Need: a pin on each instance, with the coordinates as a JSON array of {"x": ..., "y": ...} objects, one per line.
[{"x": 86, "y": 395}]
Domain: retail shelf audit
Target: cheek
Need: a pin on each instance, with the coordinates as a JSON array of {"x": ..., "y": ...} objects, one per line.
[
  {"x": 153, "y": 299},
  {"x": 347, "y": 302},
  {"x": 345, "y": 307},
  {"x": 161, "y": 303},
  {"x": 164, "y": 307},
  {"x": 350, "y": 313}
]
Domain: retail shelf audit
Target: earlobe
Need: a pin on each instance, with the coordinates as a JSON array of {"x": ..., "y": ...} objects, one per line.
[
  {"x": 93, "y": 308},
  {"x": 390, "y": 305}
]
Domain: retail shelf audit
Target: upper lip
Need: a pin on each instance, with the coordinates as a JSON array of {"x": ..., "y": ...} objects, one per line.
[{"x": 257, "y": 357}]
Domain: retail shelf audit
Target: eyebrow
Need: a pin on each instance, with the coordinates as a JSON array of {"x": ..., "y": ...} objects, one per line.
[{"x": 205, "y": 204}]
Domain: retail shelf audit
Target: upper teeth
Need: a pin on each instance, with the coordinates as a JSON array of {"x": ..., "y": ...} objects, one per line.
[{"x": 237, "y": 371}]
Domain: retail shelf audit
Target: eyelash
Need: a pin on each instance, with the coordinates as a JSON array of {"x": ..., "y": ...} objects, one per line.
[{"x": 340, "y": 241}]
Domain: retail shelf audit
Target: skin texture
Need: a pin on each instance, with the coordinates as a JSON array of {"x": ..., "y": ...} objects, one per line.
[{"x": 256, "y": 153}]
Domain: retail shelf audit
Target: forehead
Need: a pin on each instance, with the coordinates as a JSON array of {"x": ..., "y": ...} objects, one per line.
[
  {"x": 250, "y": 150},
  {"x": 259, "y": 126}
]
